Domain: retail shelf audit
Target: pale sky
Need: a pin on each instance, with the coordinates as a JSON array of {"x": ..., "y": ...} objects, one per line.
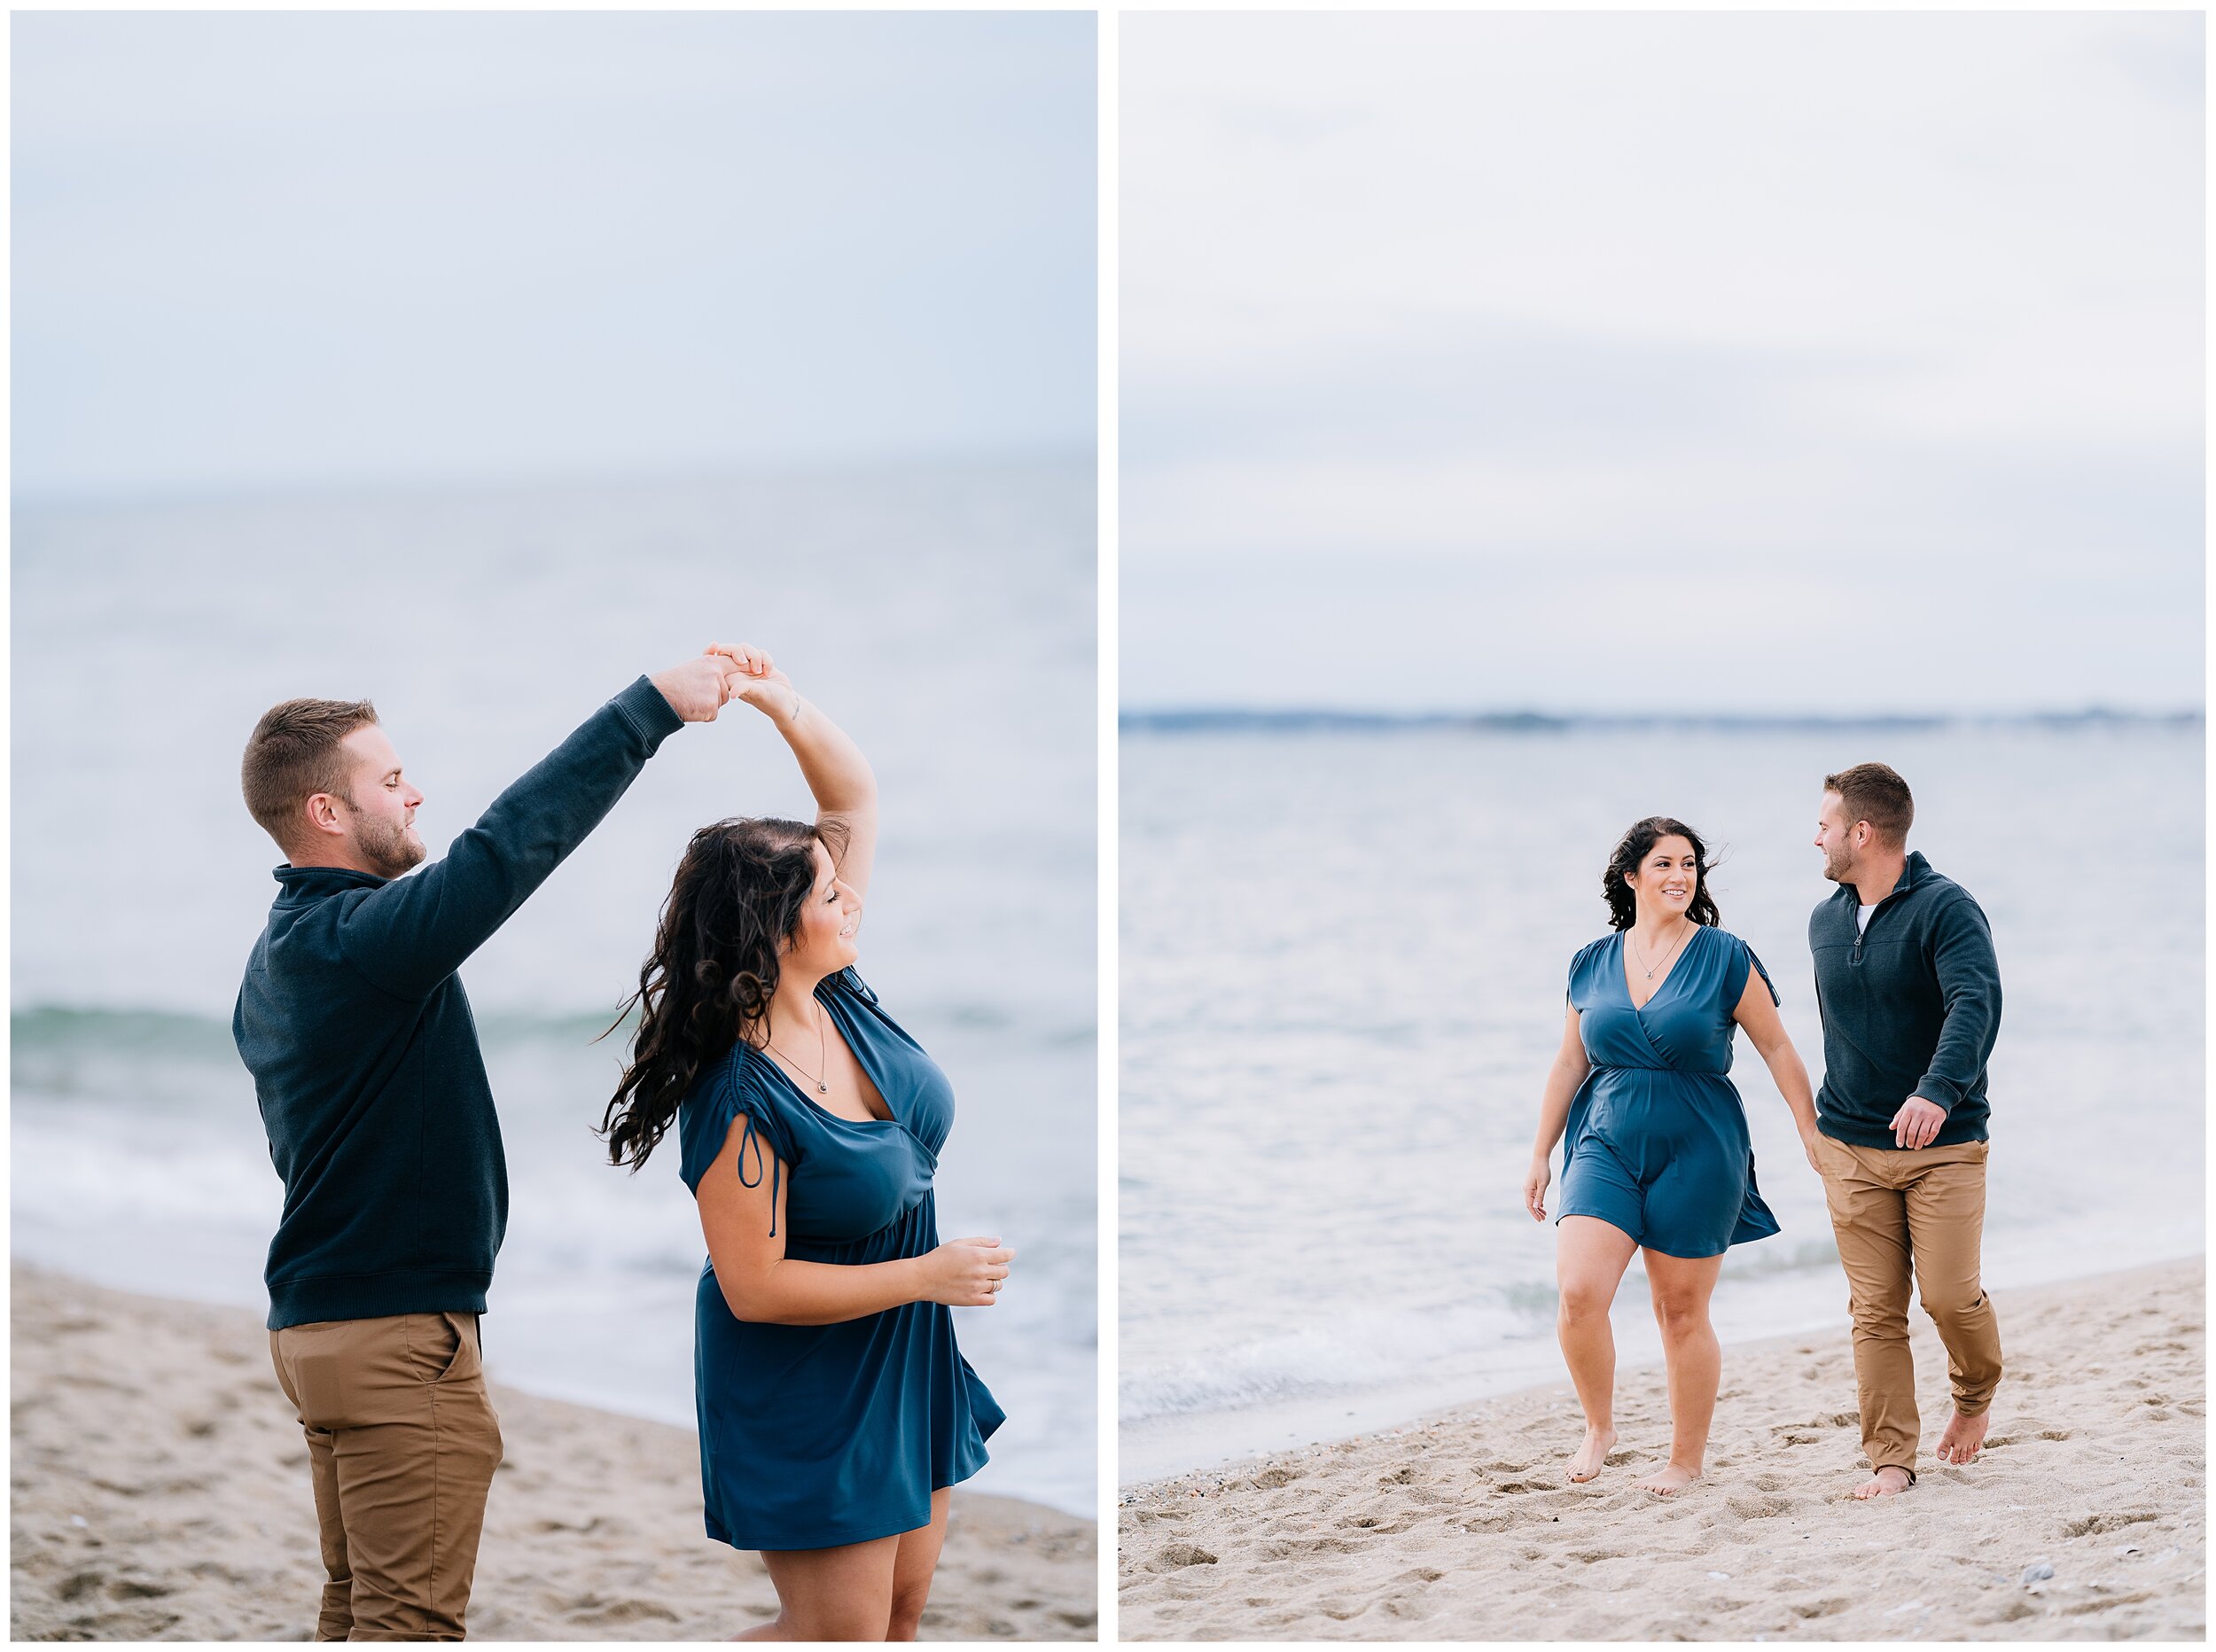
[
  {"x": 1788, "y": 362},
  {"x": 258, "y": 249}
]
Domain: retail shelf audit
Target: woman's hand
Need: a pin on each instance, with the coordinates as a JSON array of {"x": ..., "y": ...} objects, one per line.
[
  {"x": 966, "y": 1273},
  {"x": 1536, "y": 1181},
  {"x": 753, "y": 676},
  {"x": 1808, "y": 1145}
]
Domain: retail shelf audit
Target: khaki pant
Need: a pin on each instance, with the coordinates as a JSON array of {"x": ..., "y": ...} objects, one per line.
[
  {"x": 401, "y": 1445},
  {"x": 1895, "y": 1212}
]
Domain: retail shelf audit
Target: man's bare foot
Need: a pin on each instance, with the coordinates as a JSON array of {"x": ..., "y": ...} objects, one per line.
[
  {"x": 1668, "y": 1478},
  {"x": 1964, "y": 1437},
  {"x": 1887, "y": 1482},
  {"x": 1586, "y": 1464}
]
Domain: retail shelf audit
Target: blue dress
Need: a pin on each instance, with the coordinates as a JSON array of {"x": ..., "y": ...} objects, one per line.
[
  {"x": 1658, "y": 1142},
  {"x": 813, "y": 1436}
]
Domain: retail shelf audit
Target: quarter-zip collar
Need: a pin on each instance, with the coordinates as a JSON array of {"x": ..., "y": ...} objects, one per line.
[
  {"x": 1914, "y": 870},
  {"x": 299, "y": 884}
]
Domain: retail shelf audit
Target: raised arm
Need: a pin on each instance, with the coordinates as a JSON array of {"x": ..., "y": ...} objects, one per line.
[
  {"x": 838, "y": 774},
  {"x": 763, "y": 1285},
  {"x": 1564, "y": 1075},
  {"x": 413, "y": 932}
]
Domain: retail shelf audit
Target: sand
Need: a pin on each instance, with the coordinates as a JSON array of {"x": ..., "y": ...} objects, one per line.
[
  {"x": 160, "y": 1492},
  {"x": 1463, "y": 1527}
]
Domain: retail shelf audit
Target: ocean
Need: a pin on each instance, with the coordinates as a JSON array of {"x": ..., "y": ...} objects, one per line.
[
  {"x": 1343, "y": 956},
  {"x": 944, "y": 614}
]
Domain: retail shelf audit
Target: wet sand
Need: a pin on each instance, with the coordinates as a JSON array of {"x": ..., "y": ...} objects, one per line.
[
  {"x": 160, "y": 1492},
  {"x": 1463, "y": 1527}
]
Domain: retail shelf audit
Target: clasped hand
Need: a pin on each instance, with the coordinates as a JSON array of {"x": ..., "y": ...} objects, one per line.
[{"x": 701, "y": 687}]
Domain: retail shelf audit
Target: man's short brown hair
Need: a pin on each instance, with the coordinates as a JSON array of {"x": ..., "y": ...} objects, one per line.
[
  {"x": 295, "y": 753},
  {"x": 1875, "y": 794}
]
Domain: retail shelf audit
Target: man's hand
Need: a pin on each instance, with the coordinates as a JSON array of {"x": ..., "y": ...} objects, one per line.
[
  {"x": 1917, "y": 1122},
  {"x": 704, "y": 685}
]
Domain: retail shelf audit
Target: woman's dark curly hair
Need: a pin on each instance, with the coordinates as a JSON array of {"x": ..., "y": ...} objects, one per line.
[
  {"x": 735, "y": 901},
  {"x": 1637, "y": 843}
]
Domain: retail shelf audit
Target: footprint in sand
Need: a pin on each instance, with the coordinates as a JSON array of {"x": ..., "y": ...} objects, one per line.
[
  {"x": 1759, "y": 1507},
  {"x": 2092, "y": 1524},
  {"x": 1825, "y": 1607},
  {"x": 1176, "y": 1555},
  {"x": 593, "y": 1609}
]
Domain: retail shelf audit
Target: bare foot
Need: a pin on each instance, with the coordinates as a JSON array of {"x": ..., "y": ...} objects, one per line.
[
  {"x": 1887, "y": 1482},
  {"x": 1669, "y": 1478},
  {"x": 1964, "y": 1437},
  {"x": 1586, "y": 1464}
]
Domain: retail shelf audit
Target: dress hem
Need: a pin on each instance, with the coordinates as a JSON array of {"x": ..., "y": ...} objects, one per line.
[
  {"x": 1729, "y": 1244},
  {"x": 869, "y": 1533}
]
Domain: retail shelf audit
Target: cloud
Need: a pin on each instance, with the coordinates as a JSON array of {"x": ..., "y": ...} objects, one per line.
[
  {"x": 260, "y": 247},
  {"x": 1884, "y": 306}
]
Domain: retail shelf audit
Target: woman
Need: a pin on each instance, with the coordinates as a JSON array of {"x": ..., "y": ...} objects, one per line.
[
  {"x": 835, "y": 1409},
  {"x": 1658, "y": 1158}
]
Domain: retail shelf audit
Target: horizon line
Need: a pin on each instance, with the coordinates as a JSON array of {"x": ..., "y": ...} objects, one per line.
[
  {"x": 1287, "y": 719},
  {"x": 155, "y": 494}
]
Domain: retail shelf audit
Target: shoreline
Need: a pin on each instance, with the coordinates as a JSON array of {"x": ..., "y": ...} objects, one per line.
[
  {"x": 1461, "y": 1525},
  {"x": 1173, "y": 1446},
  {"x": 160, "y": 1491}
]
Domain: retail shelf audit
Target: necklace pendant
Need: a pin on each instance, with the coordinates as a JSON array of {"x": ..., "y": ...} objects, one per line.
[{"x": 823, "y": 1089}]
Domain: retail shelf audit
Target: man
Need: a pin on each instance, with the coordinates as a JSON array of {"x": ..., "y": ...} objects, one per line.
[
  {"x": 1910, "y": 996},
  {"x": 381, "y": 1123}
]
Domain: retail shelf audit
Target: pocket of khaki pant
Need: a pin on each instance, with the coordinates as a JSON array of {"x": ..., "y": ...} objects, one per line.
[
  {"x": 436, "y": 1345},
  {"x": 319, "y": 1361},
  {"x": 464, "y": 1363}
]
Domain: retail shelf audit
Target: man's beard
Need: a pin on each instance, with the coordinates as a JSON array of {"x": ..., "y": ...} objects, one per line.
[
  {"x": 1836, "y": 867},
  {"x": 385, "y": 844}
]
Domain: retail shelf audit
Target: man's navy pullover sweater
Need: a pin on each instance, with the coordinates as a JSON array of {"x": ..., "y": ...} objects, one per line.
[
  {"x": 1910, "y": 1006},
  {"x": 364, "y": 1053}
]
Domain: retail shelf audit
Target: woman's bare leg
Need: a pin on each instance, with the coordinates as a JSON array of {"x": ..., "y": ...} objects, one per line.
[
  {"x": 1590, "y": 1255},
  {"x": 1680, "y": 1287},
  {"x": 842, "y": 1593},
  {"x": 912, "y": 1569}
]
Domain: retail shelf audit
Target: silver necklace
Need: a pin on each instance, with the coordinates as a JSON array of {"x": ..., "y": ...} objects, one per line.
[
  {"x": 1640, "y": 959},
  {"x": 822, "y": 1055}
]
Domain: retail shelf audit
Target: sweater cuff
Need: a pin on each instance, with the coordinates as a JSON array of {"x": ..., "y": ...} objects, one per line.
[
  {"x": 642, "y": 706},
  {"x": 1938, "y": 1091}
]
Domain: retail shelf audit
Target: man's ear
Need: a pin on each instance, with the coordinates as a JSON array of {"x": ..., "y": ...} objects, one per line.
[{"x": 323, "y": 815}]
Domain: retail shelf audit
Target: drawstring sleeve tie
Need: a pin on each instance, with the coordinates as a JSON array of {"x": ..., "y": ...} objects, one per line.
[{"x": 751, "y": 1138}]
